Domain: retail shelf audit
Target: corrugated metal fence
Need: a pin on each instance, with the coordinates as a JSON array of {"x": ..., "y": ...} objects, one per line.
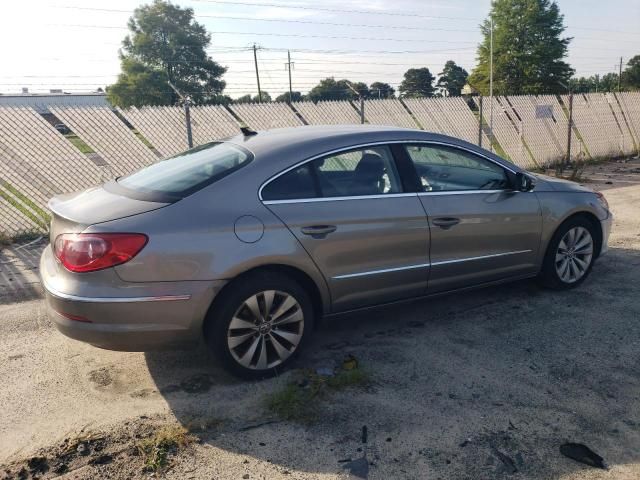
[{"x": 37, "y": 162}]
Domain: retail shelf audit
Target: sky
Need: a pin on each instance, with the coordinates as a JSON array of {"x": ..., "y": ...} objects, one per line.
[{"x": 73, "y": 44}]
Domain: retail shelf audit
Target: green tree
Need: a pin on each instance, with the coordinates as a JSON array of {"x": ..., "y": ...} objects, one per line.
[
  {"x": 631, "y": 75},
  {"x": 165, "y": 44},
  {"x": 452, "y": 79},
  {"x": 528, "y": 49},
  {"x": 417, "y": 82},
  {"x": 381, "y": 90},
  {"x": 332, "y": 89},
  {"x": 255, "y": 99},
  {"x": 608, "y": 82},
  {"x": 295, "y": 97}
]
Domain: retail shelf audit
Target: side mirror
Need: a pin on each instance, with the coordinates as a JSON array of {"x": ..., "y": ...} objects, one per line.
[{"x": 523, "y": 183}]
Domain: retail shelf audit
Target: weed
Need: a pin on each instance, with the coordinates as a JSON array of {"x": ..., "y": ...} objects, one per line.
[
  {"x": 156, "y": 449},
  {"x": 300, "y": 401}
]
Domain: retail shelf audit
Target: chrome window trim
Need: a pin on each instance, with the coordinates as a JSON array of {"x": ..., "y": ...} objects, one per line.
[
  {"x": 461, "y": 192},
  {"x": 76, "y": 298},
  {"x": 364, "y": 145},
  {"x": 338, "y": 199},
  {"x": 425, "y": 265}
]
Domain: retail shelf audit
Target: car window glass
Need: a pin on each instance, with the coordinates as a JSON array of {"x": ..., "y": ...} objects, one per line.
[
  {"x": 189, "y": 171},
  {"x": 366, "y": 171},
  {"x": 296, "y": 184},
  {"x": 442, "y": 168}
]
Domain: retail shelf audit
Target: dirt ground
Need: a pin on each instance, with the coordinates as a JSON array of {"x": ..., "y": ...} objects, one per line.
[{"x": 481, "y": 385}]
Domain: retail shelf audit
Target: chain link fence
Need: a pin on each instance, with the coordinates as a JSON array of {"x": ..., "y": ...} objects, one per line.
[{"x": 37, "y": 162}]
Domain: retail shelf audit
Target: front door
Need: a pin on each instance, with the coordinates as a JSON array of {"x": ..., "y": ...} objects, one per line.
[
  {"x": 367, "y": 236},
  {"x": 481, "y": 229}
]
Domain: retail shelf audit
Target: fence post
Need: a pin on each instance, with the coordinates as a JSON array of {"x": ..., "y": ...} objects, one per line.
[
  {"x": 362, "y": 110},
  {"x": 480, "y": 125},
  {"x": 187, "y": 119},
  {"x": 568, "y": 162}
]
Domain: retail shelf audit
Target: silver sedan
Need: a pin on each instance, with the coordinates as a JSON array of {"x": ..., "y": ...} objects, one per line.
[{"x": 247, "y": 243}]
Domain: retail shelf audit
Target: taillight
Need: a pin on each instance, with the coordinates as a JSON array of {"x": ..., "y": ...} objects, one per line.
[{"x": 87, "y": 252}]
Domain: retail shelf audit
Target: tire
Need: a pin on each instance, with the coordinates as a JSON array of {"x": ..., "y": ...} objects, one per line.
[
  {"x": 254, "y": 342},
  {"x": 569, "y": 259}
]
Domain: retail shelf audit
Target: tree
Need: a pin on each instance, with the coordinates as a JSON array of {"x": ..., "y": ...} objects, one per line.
[
  {"x": 631, "y": 75},
  {"x": 255, "y": 99},
  {"x": 417, "y": 82},
  {"x": 381, "y": 90},
  {"x": 295, "y": 97},
  {"x": 452, "y": 79},
  {"x": 528, "y": 49},
  {"x": 332, "y": 89},
  {"x": 165, "y": 44},
  {"x": 595, "y": 83}
]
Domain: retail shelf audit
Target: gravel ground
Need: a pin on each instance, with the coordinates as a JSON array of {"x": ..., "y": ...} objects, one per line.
[{"x": 485, "y": 384}]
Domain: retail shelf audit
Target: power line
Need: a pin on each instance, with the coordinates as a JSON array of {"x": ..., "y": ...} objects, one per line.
[{"x": 336, "y": 10}]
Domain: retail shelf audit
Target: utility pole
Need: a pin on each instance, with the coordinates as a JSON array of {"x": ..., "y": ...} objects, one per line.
[
  {"x": 491, "y": 85},
  {"x": 620, "y": 76},
  {"x": 255, "y": 61},
  {"x": 288, "y": 65},
  {"x": 186, "y": 101},
  {"x": 480, "y": 124},
  {"x": 361, "y": 101}
]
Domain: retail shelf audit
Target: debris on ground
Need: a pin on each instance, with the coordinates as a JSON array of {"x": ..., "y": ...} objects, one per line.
[{"x": 583, "y": 454}]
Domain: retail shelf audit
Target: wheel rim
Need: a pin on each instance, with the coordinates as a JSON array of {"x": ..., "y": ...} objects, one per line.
[
  {"x": 265, "y": 330},
  {"x": 574, "y": 254}
]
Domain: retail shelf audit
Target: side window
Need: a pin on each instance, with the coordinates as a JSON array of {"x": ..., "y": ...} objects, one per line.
[
  {"x": 442, "y": 168},
  {"x": 366, "y": 171},
  {"x": 296, "y": 184}
]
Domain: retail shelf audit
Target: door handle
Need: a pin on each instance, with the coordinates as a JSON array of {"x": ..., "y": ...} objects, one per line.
[
  {"x": 318, "y": 231},
  {"x": 445, "y": 222}
]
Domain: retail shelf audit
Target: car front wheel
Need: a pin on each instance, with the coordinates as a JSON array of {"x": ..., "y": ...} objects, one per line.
[
  {"x": 570, "y": 254},
  {"x": 260, "y": 324}
]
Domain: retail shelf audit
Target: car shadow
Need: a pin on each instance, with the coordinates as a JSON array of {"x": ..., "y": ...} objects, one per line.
[
  {"x": 19, "y": 280},
  {"x": 480, "y": 384}
]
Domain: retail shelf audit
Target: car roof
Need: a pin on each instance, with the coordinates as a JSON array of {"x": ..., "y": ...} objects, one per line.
[{"x": 316, "y": 139}]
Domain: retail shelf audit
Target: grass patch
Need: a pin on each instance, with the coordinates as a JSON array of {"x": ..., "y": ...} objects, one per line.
[
  {"x": 157, "y": 449},
  {"x": 300, "y": 401},
  {"x": 79, "y": 143},
  {"x": 142, "y": 139}
]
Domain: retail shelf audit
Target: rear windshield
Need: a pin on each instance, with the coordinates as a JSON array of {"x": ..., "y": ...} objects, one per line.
[{"x": 188, "y": 172}]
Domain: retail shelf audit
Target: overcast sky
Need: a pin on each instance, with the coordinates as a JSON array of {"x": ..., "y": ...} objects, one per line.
[{"x": 68, "y": 44}]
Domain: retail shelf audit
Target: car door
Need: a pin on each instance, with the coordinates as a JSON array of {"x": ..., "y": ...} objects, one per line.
[
  {"x": 349, "y": 210},
  {"x": 482, "y": 230}
]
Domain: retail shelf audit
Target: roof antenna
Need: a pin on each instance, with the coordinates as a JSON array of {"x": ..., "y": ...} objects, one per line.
[{"x": 247, "y": 131}]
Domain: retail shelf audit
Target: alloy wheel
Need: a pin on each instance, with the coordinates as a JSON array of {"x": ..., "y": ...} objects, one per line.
[
  {"x": 574, "y": 254},
  {"x": 265, "y": 330}
]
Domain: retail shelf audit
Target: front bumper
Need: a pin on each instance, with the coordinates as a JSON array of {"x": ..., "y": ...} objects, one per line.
[
  {"x": 109, "y": 313},
  {"x": 606, "y": 231}
]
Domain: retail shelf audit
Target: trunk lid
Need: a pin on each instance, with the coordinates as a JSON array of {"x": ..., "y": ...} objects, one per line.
[{"x": 74, "y": 212}]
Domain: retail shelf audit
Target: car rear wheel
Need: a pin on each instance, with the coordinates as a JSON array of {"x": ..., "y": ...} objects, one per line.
[
  {"x": 570, "y": 255},
  {"x": 260, "y": 324}
]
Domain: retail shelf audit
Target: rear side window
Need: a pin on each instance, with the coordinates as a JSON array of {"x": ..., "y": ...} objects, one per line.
[
  {"x": 299, "y": 183},
  {"x": 190, "y": 171},
  {"x": 359, "y": 172}
]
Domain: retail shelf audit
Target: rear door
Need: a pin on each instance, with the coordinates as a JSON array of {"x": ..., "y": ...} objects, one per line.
[
  {"x": 351, "y": 213},
  {"x": 481, "y": 229}
]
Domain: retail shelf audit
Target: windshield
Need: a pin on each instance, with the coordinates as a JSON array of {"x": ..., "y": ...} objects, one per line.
[{"x": 190, "y": 171}]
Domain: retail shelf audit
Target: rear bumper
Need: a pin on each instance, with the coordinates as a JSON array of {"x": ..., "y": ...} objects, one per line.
[{"x": 125, "y": 316}]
